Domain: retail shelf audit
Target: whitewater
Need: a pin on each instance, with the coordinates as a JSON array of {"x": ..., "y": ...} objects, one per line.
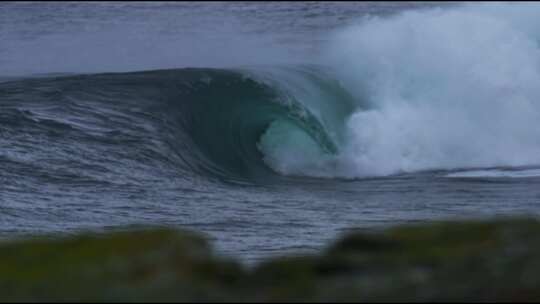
[{"x": 270, "y": 126}]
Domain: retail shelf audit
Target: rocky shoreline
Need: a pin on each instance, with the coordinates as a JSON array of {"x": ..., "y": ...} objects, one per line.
[{"x": 495, "y": 260}]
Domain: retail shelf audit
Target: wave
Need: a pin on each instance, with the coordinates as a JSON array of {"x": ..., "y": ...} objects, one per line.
[
  {"x": 435, "y": 89},
  {"x": 247, "y": 121},
  {"x": 243, "y": 123}
]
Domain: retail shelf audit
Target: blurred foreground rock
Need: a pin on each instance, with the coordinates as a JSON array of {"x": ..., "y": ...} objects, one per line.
[{"x": 448, "y": 261}]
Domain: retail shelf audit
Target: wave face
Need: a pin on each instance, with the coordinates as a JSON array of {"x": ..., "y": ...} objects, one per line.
[
  {"x": 230, "y": 124},
  {"x": 245, "y": 122}
]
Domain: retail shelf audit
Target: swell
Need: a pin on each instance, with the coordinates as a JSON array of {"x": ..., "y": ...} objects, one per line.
[{"x": 215, "y": 123}]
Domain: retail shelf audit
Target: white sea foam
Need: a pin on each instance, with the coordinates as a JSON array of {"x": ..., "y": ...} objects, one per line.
[
  {"x": 496, "y": 173},
  {"x": 445, "y": 88}
]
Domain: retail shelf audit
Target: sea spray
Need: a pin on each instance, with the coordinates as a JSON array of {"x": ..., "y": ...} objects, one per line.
[{"x": 446, "y": 88}]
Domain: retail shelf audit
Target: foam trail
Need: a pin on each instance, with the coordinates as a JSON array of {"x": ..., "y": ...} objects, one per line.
[
  {"x": 496, "y": 173},
  {"x": 445, "y": 88}
]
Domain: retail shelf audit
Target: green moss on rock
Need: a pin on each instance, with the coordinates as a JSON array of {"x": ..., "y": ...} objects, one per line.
[
  {"x": 447, "y": 261},
  {"x": 122, "y": 265}
]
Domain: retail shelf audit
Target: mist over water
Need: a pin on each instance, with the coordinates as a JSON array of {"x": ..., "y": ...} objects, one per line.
[
  {"x": 120, "y": 37},
  {"x": 271, "y": 127}
]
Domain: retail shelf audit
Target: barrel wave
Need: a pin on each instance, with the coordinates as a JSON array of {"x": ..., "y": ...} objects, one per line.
[
  {"x": 256, "y": 123},
  {"x": 439, "y": 89}
]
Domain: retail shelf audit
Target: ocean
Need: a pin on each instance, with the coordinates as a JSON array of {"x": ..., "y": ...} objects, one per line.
[{"x": 271, "y": 127}]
